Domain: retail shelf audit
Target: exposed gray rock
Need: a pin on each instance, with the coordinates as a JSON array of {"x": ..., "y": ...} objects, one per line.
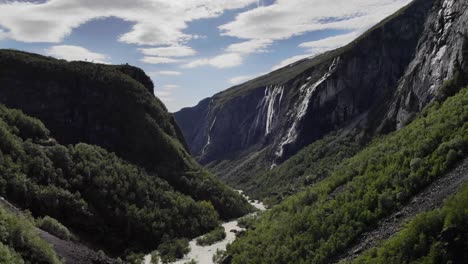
[
  {"x": 372, "y": 85},
  {"x": 442, "y": 51}
]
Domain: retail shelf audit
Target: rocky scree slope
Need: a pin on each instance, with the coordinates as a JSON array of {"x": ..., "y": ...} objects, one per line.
[{"x": 389, "y": 73}]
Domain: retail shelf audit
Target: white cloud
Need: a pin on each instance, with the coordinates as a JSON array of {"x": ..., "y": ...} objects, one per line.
[
  {"x": 250, "y": 46},
  {"x": 288, "y": 61},
  {"x": 3, "y": 34},
  {"x": 330, "y": 43},
  {"x": 174, "y": 51},
  {"x": 244, "y": 78},
  {"x": 168, "y": 73},
  {"x": 75, "y": 53},
  {"x": 286, "y": 18},
  {"x": 222, "y": 61},
  {"x": 260, "y": 27},
  {"x": 159, "y": 60},
  {"x": 166, "y": 99},
  {"x": 156, "y": 22},
  {"x": 162, "y": 93},
  {"x": 171, "y": 86},
  {"x": 319, "y": 46}
]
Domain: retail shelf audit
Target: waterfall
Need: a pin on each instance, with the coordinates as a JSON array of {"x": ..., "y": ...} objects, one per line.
[
  {"x": 306, "y": 91},
  {"x": 208, "y": 140},
  {"x": 271, "y": 94}
]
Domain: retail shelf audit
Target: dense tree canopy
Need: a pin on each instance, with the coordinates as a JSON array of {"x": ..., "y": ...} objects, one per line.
[{"x": 94, "y": 192}]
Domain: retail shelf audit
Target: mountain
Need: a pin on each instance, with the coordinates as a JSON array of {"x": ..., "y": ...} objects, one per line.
[
  {"x": 361, "y": 152},
  {"x": 102, "y": 155},
  {"x": 374, "y": 85},
  {"x": 374, "y": 190}
]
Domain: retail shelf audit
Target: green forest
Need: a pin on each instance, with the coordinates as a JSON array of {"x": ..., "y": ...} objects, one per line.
[
  {"x": 92, "y": 191},
  {"x": 113, "y": 107},
  {"x": 309, "y": 166},
  {"x": 438, "y": 236},
  {"x": 320, "y": 222}
]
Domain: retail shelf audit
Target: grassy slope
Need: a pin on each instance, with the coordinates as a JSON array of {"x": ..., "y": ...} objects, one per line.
[{"x": 315, "y": 225}]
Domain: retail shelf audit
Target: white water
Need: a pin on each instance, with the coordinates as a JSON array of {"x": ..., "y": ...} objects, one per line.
[
  {"x": 267, "y": 107},
  {"x": 204, "y": 254},
  {"x": 270, "y": 98},
  {"x": 208, "y": 141},
  {"x": 307, "y": 90}
]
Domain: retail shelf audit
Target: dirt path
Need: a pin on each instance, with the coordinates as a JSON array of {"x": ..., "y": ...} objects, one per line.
[{"x": 429, "y": 199}]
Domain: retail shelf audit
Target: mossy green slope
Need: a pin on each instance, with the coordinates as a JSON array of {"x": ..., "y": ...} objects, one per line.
[{"x": 317, "y": 224}]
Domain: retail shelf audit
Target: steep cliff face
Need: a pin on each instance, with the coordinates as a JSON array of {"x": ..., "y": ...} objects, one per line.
[
  {"x": 112, "y": 107},
  {"x": 442, "y": 55},
  {"x": 257, "y": 125},
  {"x": 85, "y": 102}
]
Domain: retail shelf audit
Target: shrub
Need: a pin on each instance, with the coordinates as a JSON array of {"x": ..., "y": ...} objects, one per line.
[
  {"x": 452, "y": 157},
  {"x": 219, "y": 256},
  {"x": 174, "y": 249},
  {"x": 23, "y": 241},
  {"x": 8, "y": 256},
  {"x": 212, "y": 237},
  {"x": 247, "y": 221},
  {"x": 155, "y": 257},
  {"x": 415, "y": 164},
  {"x": 134, "y": 258},
  {"x": 54, "y": 227}
]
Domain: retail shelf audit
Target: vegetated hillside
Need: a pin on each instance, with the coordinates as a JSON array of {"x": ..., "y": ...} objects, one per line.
[
  {"x": 98, "y": 195},
  {"x": 308, "y": 167},
  {"x": 316, "y": 225},
  {"x": 438, "y": 236},
  {"x": 20, "y": 243},
  {"x": 112, "y": 107},
  {"x": 372, "y": 86}
]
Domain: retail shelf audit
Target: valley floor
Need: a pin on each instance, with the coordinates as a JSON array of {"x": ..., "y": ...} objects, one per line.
[
  {"x": 204, "y": 254},
  {"x": 429, "y": 199}
]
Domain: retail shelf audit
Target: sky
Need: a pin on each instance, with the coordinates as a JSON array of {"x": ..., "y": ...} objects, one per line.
[{"x": 191, "y": 49}]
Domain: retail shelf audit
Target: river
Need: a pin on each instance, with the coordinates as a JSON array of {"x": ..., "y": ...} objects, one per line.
[{"x": 204, "y": 254}]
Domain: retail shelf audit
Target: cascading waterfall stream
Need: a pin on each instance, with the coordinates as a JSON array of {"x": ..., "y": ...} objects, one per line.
[
  {"x": 208, "y": 140},
  {"x": 306, "y": 90},
  {"x": 271, "y": 94}
]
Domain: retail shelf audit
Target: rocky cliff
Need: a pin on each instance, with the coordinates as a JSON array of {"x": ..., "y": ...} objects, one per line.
[
  {"x": 111, "y": 106},
  {"x": 383, "y": 75}
]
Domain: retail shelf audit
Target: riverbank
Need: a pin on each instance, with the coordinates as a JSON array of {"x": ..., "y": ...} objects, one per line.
[{"x": 204, "y": 254}]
